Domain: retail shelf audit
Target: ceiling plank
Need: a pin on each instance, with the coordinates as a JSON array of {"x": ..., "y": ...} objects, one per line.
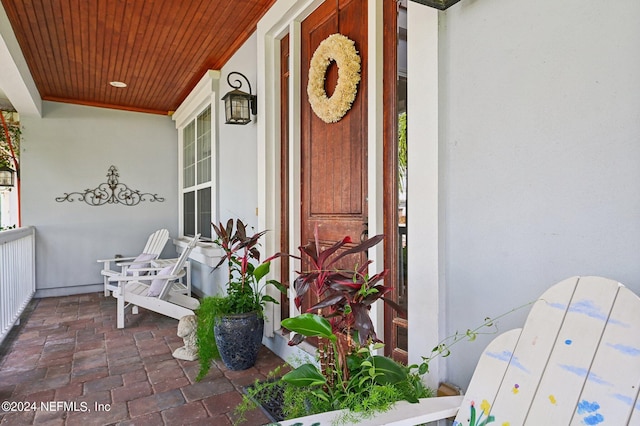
[{"x": 160, "y": 49}]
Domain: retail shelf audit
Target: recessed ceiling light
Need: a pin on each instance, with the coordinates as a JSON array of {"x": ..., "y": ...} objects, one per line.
[{"x": 118, "y": 84}]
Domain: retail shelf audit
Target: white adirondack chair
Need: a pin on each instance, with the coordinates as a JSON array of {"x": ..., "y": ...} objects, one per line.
[
  {"x": 155, "y": 291},
  {"x": 151, "y": 251},
  {"x": 576, "y": 361}
]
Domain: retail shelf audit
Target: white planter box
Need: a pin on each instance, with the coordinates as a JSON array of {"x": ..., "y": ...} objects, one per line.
[{"x": 402, "y": 414}]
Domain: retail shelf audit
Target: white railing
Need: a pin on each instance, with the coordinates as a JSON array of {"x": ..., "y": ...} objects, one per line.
[{"x": 17, "y": 275}]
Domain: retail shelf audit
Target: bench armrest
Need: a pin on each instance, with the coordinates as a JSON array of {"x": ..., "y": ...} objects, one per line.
[{"x": 117, "y": 259}]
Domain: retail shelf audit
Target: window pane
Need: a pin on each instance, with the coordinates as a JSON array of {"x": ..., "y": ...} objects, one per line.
[
  {"x": 204, "y": 212},
  {"x": 189, "y": 213},
  {"x": 204, "y": 146},
  {"x": 189, "y": 155}
]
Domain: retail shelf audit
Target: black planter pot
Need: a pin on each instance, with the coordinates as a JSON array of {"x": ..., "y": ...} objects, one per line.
[
  {"x": 239, "y": 338},
  {"x": 269, "y": 399}
]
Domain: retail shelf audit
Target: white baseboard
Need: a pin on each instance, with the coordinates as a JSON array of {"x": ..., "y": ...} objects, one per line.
[{"x": 68, "y": 291}]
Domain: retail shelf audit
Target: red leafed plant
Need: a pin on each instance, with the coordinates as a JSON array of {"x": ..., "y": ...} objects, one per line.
[
  {"x": 345, "y": 295},
  {"x": 233, "y": 242}
]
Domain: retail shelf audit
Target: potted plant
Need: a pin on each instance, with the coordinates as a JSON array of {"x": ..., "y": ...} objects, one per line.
[
  {"x": 230, "y": 326},
  {"x": 348, "y": 373}
]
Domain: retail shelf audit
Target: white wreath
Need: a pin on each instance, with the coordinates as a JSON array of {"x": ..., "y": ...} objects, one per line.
[{"x": 342, "y": 51}]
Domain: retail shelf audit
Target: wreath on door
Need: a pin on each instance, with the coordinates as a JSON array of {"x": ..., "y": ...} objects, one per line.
[{"x": 342, "y": 51}]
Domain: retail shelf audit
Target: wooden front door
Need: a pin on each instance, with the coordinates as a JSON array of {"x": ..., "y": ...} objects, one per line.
[{"x": 334, "y": 156}]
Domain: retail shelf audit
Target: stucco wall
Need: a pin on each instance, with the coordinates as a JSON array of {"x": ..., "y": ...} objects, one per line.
[
  {"x": 70, "y": 149},
  {"x": 236, "y": 164},
  {"x": 540, "y": 142},
  {"x": 237, "y": 152}
]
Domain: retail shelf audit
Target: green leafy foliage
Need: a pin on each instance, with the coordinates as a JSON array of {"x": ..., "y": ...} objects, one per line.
[
  {"x": 387, "y": 371},
  {"x": 310, "y": 325},
  {"x": 374, "y": 383},
  {"x": 210, "y": 308},
  {"x": 305, "y": 375},
  {"x": 370, "y": 383},
  {"x": 443, "y": 349},
  {"x": 402, "y": 150},
  {"x": 300, "y": 402}
]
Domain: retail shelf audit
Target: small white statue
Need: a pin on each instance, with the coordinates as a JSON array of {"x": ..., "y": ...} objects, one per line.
[{"x": 187, "y": 330}]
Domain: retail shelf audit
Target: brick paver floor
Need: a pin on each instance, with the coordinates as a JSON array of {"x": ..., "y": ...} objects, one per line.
[{"x": 68, "y": 364}]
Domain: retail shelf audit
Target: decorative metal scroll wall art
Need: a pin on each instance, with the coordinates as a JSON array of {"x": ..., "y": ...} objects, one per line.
[{"x": 111, "y": 192}]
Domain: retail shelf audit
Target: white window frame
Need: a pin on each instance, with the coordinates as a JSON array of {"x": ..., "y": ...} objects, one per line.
[
  {"x": 196, "y": 186},
  {"x": 204, "y": 95}
]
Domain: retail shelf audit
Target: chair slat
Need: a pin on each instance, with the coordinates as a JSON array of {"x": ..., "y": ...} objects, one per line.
[
  {"x": 635, "y": 416},
  {"x": 156, "y": 242},
  {"x": 177, "y": 268},
  {"x": 569, "y": 362},
  {"x": 612, "y": 385}
]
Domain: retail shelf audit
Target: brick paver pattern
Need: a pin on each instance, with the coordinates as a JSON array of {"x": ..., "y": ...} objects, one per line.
[{"x": 68, "y": 364}]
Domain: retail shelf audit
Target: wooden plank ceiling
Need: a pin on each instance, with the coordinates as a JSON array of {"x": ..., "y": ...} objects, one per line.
[{"x": 160, "y": 48}]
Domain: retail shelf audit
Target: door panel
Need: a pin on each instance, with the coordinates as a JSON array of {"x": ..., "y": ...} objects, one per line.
[{"x": 334, "y": 156}]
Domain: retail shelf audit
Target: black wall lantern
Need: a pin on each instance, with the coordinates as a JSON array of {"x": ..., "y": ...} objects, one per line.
[
  {"x": 438, "y": 4},
  {"x": 6, "y": 176},
  {"x": 239, "y": 105}
]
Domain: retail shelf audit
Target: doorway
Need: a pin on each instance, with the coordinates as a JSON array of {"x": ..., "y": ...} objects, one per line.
[{"x": 340, "y": 145}]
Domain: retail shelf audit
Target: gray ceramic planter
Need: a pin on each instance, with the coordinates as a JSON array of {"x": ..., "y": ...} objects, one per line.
[{"x": 239, "y": 338}]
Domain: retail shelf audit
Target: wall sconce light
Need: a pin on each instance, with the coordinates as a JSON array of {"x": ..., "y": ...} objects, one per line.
[
  {"x": 6, "y": 176},
  {"x": 239, "y": 105},
  {"x": 438, "y": 4}
]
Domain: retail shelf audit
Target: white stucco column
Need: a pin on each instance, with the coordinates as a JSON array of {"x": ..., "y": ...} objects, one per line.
[{"x": 425, "y": 314}]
